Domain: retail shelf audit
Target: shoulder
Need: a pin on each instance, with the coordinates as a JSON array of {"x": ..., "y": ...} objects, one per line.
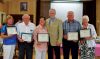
[
  {"x": 37, "y": 28},
  {"x": 77, "y": 22},
  {"x": 19, "y": 24},
  {"x": 65, "y": 22},
  {"x": 4, "y": 25},
  {"x": 91, "y": 25},
  {"x": 32, "y": 24},
  {"x": 58, "y": 20},
  {"x": 47, "y": 19}
]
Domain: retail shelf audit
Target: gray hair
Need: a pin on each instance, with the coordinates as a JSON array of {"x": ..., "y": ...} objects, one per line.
[
  {"x": 52, "y": 10},
  {"x": 70, "y": 12},
  {"x": 25, "y": 15},
  {"x": 85, "y": 17}
]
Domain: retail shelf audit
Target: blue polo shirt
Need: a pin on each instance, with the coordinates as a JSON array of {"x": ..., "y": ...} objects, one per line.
[{"x": 9, "y": 40}]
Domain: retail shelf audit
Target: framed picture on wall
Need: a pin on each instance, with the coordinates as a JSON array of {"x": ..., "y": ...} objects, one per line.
[{"x": 23, "y": 6}]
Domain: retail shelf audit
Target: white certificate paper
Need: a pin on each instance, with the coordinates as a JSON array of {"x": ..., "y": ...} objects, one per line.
[
  {"x": 85, "y": 33},
  {"x": 72, "y": 35},
  {"x": 27, "y": 37},
  {"x": 43, "y": 37},
  {"x": 11, "y": 30}
]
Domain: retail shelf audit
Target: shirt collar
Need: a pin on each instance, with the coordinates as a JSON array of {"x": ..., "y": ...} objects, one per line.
[
  {"x": 71, "y": 21},
  {"x": 26, "y": 25},
  {"x": 41, "y": 27}
]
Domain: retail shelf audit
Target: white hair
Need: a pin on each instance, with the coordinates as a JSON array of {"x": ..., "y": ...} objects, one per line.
[
  {"x": 70, "y": 12},
  {"x": 52, "y": 10},
  {"x": 86, "y": 17},
  {"x": 25, "y": 15}
]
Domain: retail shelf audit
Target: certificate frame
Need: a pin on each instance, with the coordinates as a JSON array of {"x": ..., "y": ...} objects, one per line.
[
  {"x": 11, "y": 30},
  {"x": 85, "y": 33},
  {"x": 72, "y": 36},
  {"x": 26, "y": 37},
  {"x": 41, "y": 36}
]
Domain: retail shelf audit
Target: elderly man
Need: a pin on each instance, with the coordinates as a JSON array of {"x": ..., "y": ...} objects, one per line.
[
  {"x": 70, "y": 25},
  {"x": 25, "y": 46},
  {"x": 54, "y": 26}
]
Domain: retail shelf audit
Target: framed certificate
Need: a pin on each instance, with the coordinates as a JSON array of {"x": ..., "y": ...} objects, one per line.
[
  {"x": 85, "y": 33},
  {"x": 43, "y": 37},
  {"x": 27, "y": 37},
  {"x": 11, "y": 30},
  {"x": 72, "y": 35}
]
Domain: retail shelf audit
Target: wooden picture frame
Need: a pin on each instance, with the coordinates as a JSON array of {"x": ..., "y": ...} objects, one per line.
[{"x": 23, "y": 6}]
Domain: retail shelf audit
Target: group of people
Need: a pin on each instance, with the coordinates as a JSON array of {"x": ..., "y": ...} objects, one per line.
[{"x": 58, "y": 34}]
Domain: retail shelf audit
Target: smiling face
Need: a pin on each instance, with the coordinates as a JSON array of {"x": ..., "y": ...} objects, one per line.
[
  {"x": 26, "y": 18},
  {"x": 70, "y": 16},
  {"x": 10, "y": 21},
  {"x": 42, "y": 21},
  {"x": 85, "y": 23},
  {"x": 52, "y": 13}
]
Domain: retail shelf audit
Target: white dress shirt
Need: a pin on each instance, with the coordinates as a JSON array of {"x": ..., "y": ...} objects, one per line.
[{"x": 22, "y": 28}]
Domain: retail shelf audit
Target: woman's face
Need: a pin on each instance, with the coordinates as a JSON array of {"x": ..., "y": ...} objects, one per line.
[
  {"x": 42, "y": 21},
  {"x": 10, "y": 21},
  {"x": 85, "y": 23}
]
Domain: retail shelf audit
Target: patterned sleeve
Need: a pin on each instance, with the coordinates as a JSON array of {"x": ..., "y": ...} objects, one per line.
[
  {"x": 35, "y": 35},
  {"x": 93, "y": 32}
]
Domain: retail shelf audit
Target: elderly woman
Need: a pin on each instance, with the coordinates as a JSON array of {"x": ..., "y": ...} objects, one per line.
[
  {"x": 87, "y": 45},
  {"x": 9, "y": 41},
  {"x": 40, "y": 48}
]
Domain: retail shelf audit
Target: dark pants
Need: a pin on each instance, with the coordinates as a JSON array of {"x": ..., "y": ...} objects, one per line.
[
  {"x": 56, "y": 50},
  {"x": 70, "y": 45},
  {"x": 25, "y": 49}
]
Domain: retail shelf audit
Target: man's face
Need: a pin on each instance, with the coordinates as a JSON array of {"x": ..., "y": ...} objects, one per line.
[
  {"x": 70, "y": 16},
  {"x": 52, "y": 13},
  {"x": 26, "y": 19}
]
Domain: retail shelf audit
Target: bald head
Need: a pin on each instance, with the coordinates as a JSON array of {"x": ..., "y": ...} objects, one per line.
[
  {"x": 70, "y": 15},
  {"x": 26, "y": 18}
]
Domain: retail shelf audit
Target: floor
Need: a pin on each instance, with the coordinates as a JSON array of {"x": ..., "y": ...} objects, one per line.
[{"x": 97, "y": 57}]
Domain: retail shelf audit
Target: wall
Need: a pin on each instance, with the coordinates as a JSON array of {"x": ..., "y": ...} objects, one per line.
[
  {"x": 3, "y": 11},
  {"x": 14, "y": 7},
  {"x": 98, "y": 16},
  {"x": 3, "y": 7}
]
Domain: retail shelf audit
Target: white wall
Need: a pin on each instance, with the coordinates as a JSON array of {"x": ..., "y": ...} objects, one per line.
[{"x": 63, "y": 8}]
